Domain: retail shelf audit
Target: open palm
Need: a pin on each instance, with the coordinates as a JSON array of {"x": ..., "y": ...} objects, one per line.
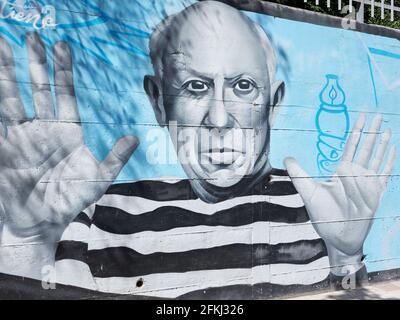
[
  {"x": 342, "y": 209},
  {"x": 47, "y": 173}
]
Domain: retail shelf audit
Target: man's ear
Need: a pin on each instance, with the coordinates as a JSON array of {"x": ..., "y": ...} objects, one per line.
[
  {"x": 153, "y": 91},
  {"x": 277, "y": 94}
]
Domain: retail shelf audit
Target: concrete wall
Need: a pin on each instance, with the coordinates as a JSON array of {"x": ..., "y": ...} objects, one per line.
[{"x": 184, "y": 149}]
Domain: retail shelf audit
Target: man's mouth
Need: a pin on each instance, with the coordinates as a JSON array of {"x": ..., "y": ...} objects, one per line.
[{"x": 224, "y": 156}]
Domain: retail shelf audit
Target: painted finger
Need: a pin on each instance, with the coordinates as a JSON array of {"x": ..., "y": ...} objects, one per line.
[
  {"x": 354, "y": 139},
  {"x": 387, "y": 171},
  {"x": 303, "y": 183},
  {"x": 39, "y": 73},
  {"x": 381, "y": 150},
  {"x": 367, "y": 149},
  {"x": 64, "y": 83},
  {"x": 11, "y": 106},
  {"x": 117, "y": 158}
]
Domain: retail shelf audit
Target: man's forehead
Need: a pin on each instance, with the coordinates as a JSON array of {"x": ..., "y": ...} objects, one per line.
[
  {"x": 208, "y": 56},
  {"x": 214, "y": 32}
]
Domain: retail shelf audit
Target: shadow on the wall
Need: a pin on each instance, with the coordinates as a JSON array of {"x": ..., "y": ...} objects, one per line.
[{"x": 363, "y": 293}]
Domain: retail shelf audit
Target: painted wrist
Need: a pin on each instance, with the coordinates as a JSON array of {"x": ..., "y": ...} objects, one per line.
[{"x": 342, "y": 264}]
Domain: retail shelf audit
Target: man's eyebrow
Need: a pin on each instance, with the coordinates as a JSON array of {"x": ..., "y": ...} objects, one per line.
[
  {"x": 236, "y": 76},
  {"x": 210, "y": 76},
  {"x": 206, "y": 76},
  {"x": 244, "y": 75}
]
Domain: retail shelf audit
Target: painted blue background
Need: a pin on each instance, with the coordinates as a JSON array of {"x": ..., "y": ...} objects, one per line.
[{"x": 109, "y": 41}]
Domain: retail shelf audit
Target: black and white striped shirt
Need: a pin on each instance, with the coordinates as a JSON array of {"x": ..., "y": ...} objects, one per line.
[{"x": 161, "y": 233}]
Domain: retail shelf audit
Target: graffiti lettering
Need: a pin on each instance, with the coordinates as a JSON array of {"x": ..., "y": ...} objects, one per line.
[{"x": 39, "y": 18}]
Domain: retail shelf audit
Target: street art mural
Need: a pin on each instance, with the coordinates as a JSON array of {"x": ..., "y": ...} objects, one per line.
[{"x": 185, "y": 149}]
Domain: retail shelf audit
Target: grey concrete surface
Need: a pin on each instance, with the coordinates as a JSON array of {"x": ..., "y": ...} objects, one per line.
[{"x": 386, "y": 290}]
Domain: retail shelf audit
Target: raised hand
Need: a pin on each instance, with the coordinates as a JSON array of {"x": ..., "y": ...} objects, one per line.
[
  {"x": 47, "y": 173},
  {"x": 342, "y": 209}
]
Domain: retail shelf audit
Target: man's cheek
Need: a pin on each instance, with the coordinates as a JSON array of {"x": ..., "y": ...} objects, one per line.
[
  {"x": 187, "y": 112},
  {"x": 187, "y": 144},
  {"x": 248, "y": 115}
]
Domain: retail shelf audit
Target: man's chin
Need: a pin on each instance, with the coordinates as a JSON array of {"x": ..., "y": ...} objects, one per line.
[
  {"x": 223, "y": 175},
  {"x": 223, "y": 180}
]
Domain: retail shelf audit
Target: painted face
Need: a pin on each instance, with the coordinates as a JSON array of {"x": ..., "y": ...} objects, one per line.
[{"x": 216, "y": 90}]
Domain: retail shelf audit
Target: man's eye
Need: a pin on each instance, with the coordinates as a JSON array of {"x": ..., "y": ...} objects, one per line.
[
  {"x": 197, "y": 86},
  {"x": 244, "y": 86}
]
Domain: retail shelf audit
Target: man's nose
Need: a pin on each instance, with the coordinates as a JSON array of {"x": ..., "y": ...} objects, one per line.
[{"x": 217, "y": 114}]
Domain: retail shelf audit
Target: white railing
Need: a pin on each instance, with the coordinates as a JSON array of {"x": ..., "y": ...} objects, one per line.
[{"x": 382, "y": 4}]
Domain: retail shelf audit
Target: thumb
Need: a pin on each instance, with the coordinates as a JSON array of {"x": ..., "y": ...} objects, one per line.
[
  {"x": 303, "y": 183},
  {"x": 98, "y": 180},
  {"x": 118, "y": 157}
]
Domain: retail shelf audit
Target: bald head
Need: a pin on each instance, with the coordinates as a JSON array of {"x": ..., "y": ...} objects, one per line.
[{"x": 210, "y": 24}]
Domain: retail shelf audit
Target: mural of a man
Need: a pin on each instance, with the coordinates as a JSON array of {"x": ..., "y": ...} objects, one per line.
[{"x": 214, "y": 78}]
